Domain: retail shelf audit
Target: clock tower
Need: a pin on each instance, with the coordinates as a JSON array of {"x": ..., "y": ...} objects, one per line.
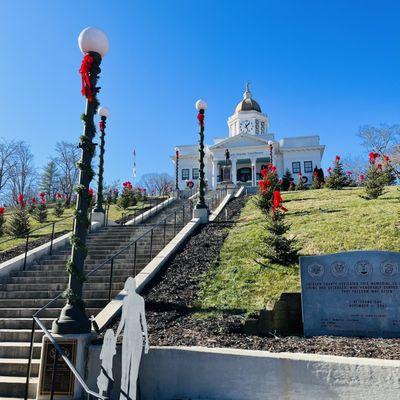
[{"x": 248, "y": 117}]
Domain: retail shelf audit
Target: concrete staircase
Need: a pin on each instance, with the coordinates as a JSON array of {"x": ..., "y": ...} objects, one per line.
[{"x": 24, "y": 292}]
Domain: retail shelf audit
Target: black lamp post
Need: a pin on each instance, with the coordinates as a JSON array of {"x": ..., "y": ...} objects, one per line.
[
  {"x": 271, "y": 147},
  {"x": 177, "y": 170},
  {"x": 103, "y": 113},
  {"x": 94, "y": 44},
  {"x": 201, "y": 107}
]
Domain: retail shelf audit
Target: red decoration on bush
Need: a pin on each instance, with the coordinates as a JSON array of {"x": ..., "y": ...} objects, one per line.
[
  {"x": 2, "y": 209},
  {"x": 33, "y": 200},
  {"x": 372, "y": 157},
  {"x": 386, "y": 159},
  {"x": 362, "y": 177},
  {"x": 84, "y": 70},
  {"x": 58, "y": 196},
  {"x": 263, "y": 172},
  {"x": 337, "y": 159},
  {"x": 348, "y": 173},
  {"x": 379, "y": 167},
  {"x": 277, "y": 201},
  {"x": 329, "y": 170},
  {"x": 90, "y": 192},
  {"x": 127, "y": 185},
  {"x": 200, "y": 117}
]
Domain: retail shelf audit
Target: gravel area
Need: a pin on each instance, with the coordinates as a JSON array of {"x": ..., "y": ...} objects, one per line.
[{"x": 171, "y": 308}]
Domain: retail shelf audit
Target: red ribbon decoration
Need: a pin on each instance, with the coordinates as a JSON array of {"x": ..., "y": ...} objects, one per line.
[
  {"x": 277, "y": 201},
  {"x": 102, "y": 125},
  {"x": 200, "y": 117},
  {"x": 84, "y": 70}
]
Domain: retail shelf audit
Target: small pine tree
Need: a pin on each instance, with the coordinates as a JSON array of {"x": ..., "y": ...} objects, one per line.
[
  {"x": 32, "y": 206},
  {"x": 286, "y": 180},
  {"x": 337, "y": 178},
  {"x": 292, "y": 186},
  {"x": 374, "y": 181},
  {"x": 40, "y": 213},
  {"x": 389, "y": 171},
  {"x": 267, "y": 185},
  {"x": 300, "y": 183},
  {"x": 18, "y": 224},
  {"x": 316, "y": 183},
  {"x": 2, "y": 220},
  {"x": 280, "y": 248},
  {"x": 59, "y": 207}
]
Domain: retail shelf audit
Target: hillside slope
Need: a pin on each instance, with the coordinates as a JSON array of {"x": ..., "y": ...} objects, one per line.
[{"x": 324, "y": 221}]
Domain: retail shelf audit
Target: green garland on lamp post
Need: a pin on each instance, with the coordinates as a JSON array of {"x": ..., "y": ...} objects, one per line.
[
  {"x": 94, "y": 45},
  {"x": 201, "y": 107},
  {"x": 271, "y": 147},
  {"x": 103, "y": 113},
  {"x": 177, "y": 170}
]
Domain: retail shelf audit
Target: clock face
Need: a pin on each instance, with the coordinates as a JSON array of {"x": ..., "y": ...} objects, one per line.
[{"x": 246, "y": 126}]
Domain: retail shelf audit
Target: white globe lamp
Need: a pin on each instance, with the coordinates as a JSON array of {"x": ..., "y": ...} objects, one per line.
[
  {"x": 103, "y": 112},
  {"x": 93, "y": 39},
  {"x": 201, "y": 105}
]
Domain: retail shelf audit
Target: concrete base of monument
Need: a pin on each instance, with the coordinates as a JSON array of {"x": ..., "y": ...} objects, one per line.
[
  {"x": 66, "y": 387},
  {"x": 98, "y": 217},
  {"x": 202, "y": 214}
]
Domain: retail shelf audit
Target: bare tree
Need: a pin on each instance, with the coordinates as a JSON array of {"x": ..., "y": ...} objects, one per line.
[
  {"x": 157, "y": 183},
  {"x": 380, "y": 139},
  {"x": 22, "y": 173},
  {"x": 384, "y": 140},
  {"x": 356, "y": 164},
  {"x": 7, "y": 160},
  {"x": 67, "y": 156}
]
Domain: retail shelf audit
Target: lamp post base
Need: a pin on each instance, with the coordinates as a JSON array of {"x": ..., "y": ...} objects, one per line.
[
  {"x": 201, "y": 212},
  {"x": 72, "y": 319},
  {"x": 98, "y": 216}
]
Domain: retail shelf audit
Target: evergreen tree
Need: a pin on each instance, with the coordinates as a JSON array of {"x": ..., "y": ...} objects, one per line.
[
  {"x": 59, "y": 206},
  {"x": 389, "y": 171},
  {"x": 32, "y": 206},
  {"x": 127, "y": 198},
  {"x": 2, "y": 220},
  {"x": 18, "y": 224},
  {"x": 316, "y": 183},
  {"x": 267, "y": 185},
  {"x": 337, "y": 178},
  {"x": 280, "y": 248},
  {"x": 49, "y": 179},
  {"x": 375, "y": 179},
  {"x": 292, "y": 186},
  {"x": 40, "y": 213},
  {"x": 286, "y": 179},
  {"x": 300, "y": 183}
]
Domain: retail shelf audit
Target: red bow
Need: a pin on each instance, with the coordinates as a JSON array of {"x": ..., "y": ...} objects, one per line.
[
  {"x": 102, "y": 125},
  {"x": 84, "y": 70},
  {"x": 277, "y": 201},
  {"x": 200, "y": 117}
]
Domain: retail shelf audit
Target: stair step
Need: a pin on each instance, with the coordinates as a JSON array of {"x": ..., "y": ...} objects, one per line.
[
  {"x": 17, "y": 295},
  {"x": 19, "y": 350},
  {"x": 19, "y": 335},
  {"x": 15, "y": 386},
  {"x": 47, "y": 313},
  {"x": 23, "y": 323},
  {"x": 18, "y": 367}
]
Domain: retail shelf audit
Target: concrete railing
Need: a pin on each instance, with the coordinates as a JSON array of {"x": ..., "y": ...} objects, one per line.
[
  {"x": 149, "y": 213},
  {"x": 203, "y": 373}
]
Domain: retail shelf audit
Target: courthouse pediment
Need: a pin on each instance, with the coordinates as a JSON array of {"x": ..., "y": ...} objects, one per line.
[{"x": 241, "y": 140}]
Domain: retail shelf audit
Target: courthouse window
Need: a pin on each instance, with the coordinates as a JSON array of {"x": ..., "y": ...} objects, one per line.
[
  {"x": 185, "y": 174},
  {"x": 308, "y": 166},
  {"x": 195, "y": 173},
  {"x": 296, "y": 167}
]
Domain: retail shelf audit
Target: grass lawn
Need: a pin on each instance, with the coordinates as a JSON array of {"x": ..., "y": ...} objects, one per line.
[{"x": 324, "y": 221}]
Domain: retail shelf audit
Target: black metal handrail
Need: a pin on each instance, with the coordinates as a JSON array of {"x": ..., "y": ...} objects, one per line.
[
  {"x": 29, "y": 234},
  {"x": 110, "y": 260}
]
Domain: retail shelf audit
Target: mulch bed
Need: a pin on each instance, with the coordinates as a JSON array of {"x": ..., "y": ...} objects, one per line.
[
  {"x": 171, "y": 303},
  {"x": 20, "y": 249}
]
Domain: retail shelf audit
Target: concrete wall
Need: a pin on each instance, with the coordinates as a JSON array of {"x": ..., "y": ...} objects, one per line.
[{"x": 199, "y": 373}]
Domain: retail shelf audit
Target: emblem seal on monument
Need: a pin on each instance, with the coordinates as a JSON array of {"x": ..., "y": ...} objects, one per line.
[
  {"x": 339, "y": 268},
  {"x": 315, "y": 270},
  {"x": 389, "y": 268},
  {"x": 363, "y": 268}
]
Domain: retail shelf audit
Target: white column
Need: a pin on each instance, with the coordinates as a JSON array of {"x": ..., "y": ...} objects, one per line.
[
  {"x": 214, "y": 173},
  {"x": 233, "y": 171},
  {"x": 253, "y": 171}
]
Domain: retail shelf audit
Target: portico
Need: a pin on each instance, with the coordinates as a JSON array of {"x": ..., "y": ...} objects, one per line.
[{"x": 249, "y": 146}]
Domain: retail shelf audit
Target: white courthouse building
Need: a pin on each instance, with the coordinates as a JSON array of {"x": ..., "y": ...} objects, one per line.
[{"x": 248, "y": 144}]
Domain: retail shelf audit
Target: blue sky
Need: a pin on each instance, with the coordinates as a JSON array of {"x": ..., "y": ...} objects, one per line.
[{"x": 315, "y": 67}]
